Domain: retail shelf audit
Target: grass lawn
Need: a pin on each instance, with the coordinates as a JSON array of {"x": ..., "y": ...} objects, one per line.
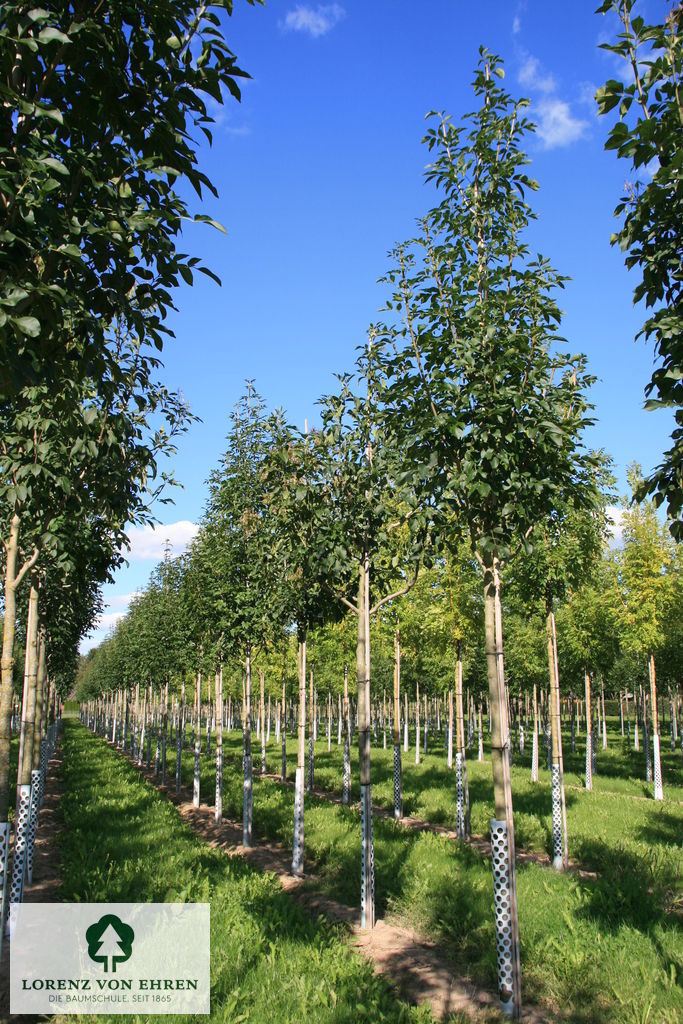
[
  {"x": 270, "y": 961},
  {"x": 593, "y": 949}
]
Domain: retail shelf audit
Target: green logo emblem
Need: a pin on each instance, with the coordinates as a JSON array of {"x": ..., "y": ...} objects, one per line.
[{"x": 110, "y": 941}]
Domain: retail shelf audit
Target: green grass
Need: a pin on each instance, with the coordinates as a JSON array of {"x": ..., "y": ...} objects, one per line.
[
  {"x": 270, "y": 961},
  {"x": 593, "y": 949}
]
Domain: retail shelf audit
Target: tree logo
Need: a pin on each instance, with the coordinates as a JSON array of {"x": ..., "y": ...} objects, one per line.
[{"x": 110, "y": 941}]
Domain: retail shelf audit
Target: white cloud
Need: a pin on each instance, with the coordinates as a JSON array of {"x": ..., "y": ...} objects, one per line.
[
  {"x": 316, "y": 21},
  {"x": 148, "y": 542},
  {"x": 530, "y": 75},
  {"x": 557, "y": 126},
  {"x": 615, "y": 517},
  {"x": 516, "y": 25}
]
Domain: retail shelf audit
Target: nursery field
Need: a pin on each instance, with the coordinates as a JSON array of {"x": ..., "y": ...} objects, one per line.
[{"x": 601, "y": 942}]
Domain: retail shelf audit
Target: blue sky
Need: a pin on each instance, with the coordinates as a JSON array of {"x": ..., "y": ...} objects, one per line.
[{"x": 320, "y": 172}]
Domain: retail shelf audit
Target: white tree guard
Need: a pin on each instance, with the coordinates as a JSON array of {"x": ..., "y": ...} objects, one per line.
[
  {"x": 21, "y": 826},
  {"x": 346, "y": 774},
  {"x": 659, "y": 789},
  {"x": 219, "y": 785},
  {"x": 480, "y": 752},
  {"x": 197, "y": 773},
  {"x": 248, "y": 807},
  {"x": 558, "y": 847},
  {"x": 263, "y": 752},
  {"x": 309, "y": 777},
  {"x": 32, "y": 823},
  {"x": 648, "y": 754},
  {"x": 589, "y": 761},
  {"x": 502, "y": 898},
  {"x": 178, "y": 759},
  {"x": 367, "y": 860},
  {"x": 459, "y": 796},
  {"x": 398, "y": 782},
  {"x": 298, "y": 841},
  {"x": 534, "y": 756}
]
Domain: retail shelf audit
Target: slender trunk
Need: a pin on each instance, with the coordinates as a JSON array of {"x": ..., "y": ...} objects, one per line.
[
  {"x": 248, "y": 774},
  {"x": 262, "y": 717},
  {"x": 219, "y": 745},
  {"x": 367, "y": 903},
  {"x": 7, "y": 681},
  {"x": 311, "y": 734},
  {"x": 461, "y": 787},
  {"x": 657, "y": 764},
  {"x": 502, "y": 827},
  {"x": 298, "y": 844},
  {"x": 346, "y": 769},
  {"x": 557, "y": 770},
  {"x": 398, "y": 767},
  {"x": 589, "y": 731}
]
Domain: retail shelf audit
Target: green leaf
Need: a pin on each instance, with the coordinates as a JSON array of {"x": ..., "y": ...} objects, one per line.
[
  {"x": 27, "y": 325},
  {"x": 52, "y": 34}
]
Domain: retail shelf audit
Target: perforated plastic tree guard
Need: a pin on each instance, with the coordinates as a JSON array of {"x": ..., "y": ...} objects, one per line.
[
  {"x": 534, "y": 756},
  {"x": 197, "y": 773},
  {"x": 219, "y": 785},
  {"x": 502, "y": 899},
  {"x": 248, "y": 811},
  {"x": 398, "y": 782},
  {"x": 589, "y": 762},
  {"x": 659, "y": 791},
  {"x": 20, "y": 844},
  {"x": 309, "y": 775},
  {"x": 32, "y": 822},
  {"x": 346, "y": 777},
  {"x": 298, "y": 843},
  {"x": 459, "y": 797},
  {"x": 558, "y": 849},
  {"x": 367, "y": 866}
]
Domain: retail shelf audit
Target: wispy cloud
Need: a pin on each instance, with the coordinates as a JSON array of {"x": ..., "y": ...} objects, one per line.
[
  {"x": 557, "y": 126},
  {"x": 149, "y": 542},
  {"x": 516, "y": 25},
  {"x": 531, "y": 76},
  {"x": 317, "y": 21}
]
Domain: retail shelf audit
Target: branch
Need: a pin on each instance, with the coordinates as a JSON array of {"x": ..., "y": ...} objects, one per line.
[
  {"x": 25, "y": 567},
  {"x": 397, "y": 593}
]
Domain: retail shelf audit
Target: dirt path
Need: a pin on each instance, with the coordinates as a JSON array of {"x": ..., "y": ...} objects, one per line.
[
  {"x": 46, "y": 878},
  {"x": 412, "y": 962}
]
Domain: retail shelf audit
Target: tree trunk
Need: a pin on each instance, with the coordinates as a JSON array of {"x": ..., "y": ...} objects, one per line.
[
  {"x": 311, "y": 734},
  {"x": 589, "y": 731},
  {"x": 219, "y": 745},
  {"x": 346, "y": 768},
  {"x": 557, "y": 767},
  {"x": 461, "y": 788},
  {"x": 398, "y": 767},
  {"x": 657, "y": 763},
  {"x": 502, "y": 827},
  {"x": 248, "y": 770},
  {"x": 367, "y": 899},
  {"x": 298, "y": 844}
]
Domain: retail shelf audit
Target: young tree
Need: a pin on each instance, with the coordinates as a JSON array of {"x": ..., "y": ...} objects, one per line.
[
  {"x": 489, "y": 414},
  {"x": 646, "y": 570}
]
